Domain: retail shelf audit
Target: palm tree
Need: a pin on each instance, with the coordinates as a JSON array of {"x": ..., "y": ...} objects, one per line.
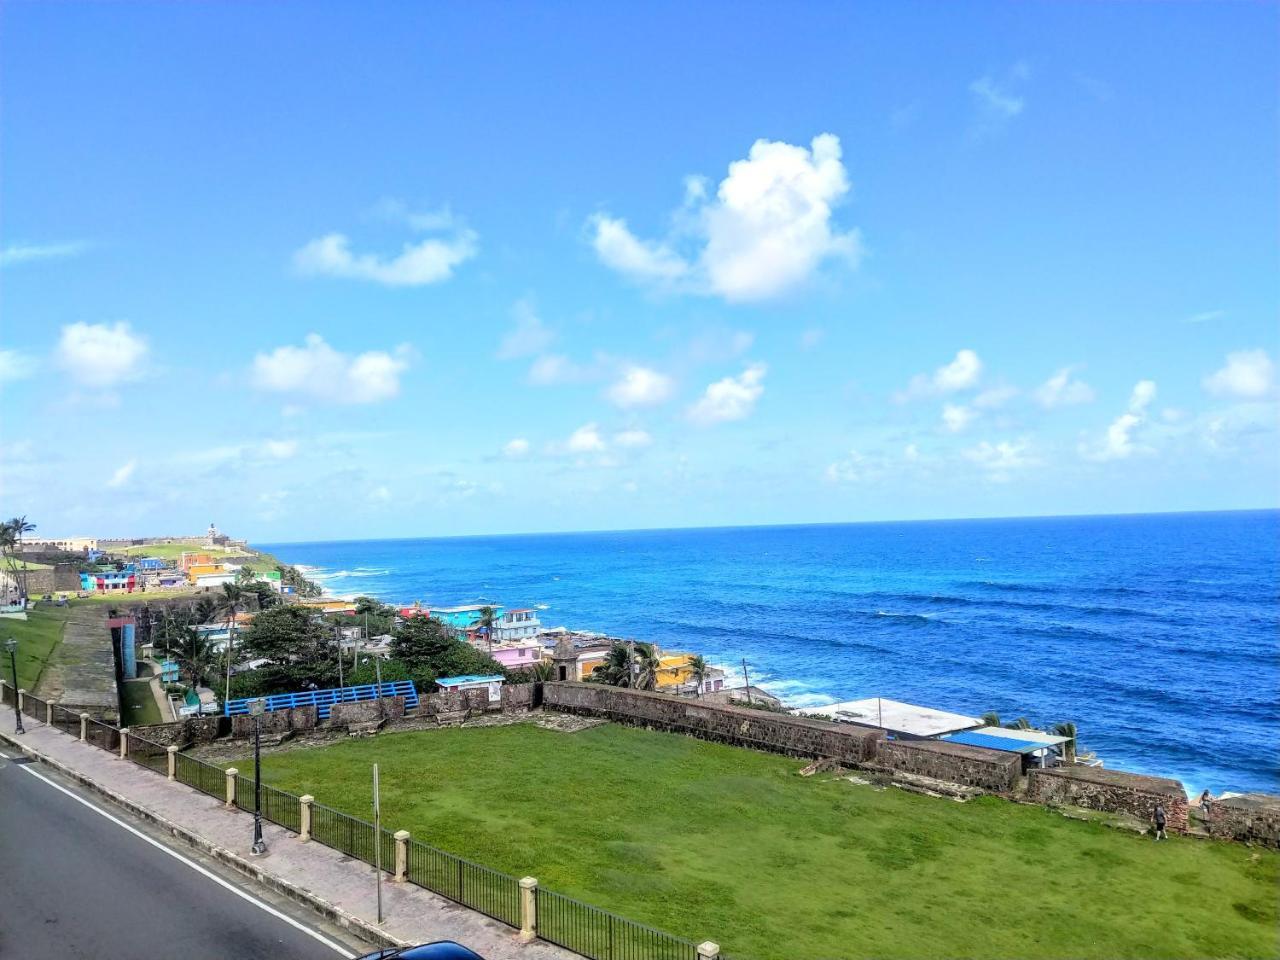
[
  {"x": 647, "y": 665},
  {"x": 698, "y": 668},
  {"x": 991, "y": 719},
  {"x": 487, "y": 617},
  {"x": 17, "y": 527},
  {"x": 616, "y": 669},
  {"x": 234, "y": 600},
  {"x": 1022, "y": 723},
  {"x": 1067, "y": 729},
  {"x": 195, "y": 655}
]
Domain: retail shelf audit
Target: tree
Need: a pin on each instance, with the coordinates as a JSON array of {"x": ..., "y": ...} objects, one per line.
[
  {"x": 420, "y": 641},
  {"x": 617, "y": 667},
  {"x": 205, "y": 609},
  {"x": 991, "y": 719},
  {"x": 487, "y": 617},
  {"x": 1022, "y": 723},
  {"x": 17, "y": 527},
  {"x": 698, "y": 668},
  {"x": 647, "y": 666},
  {"x": 233, "y": 602},
  {"x": 1067, "y": 729},
  {"x": 195, "y": 654},
  {"x": 298, "y": 646}
]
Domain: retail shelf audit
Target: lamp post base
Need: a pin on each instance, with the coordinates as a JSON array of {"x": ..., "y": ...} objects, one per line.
[{"x": 259, "y": 849}]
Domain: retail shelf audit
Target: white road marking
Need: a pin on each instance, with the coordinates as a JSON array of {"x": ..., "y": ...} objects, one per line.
[{"x": 314, "y": 934}]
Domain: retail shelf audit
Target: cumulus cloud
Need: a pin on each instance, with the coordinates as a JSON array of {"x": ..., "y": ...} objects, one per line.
[
  {"x": 1000, "y": 460},
  {"x": 122, "y": 474},
  {"x": 426, "y": 261},
  {"x": 553, "y": 368},
  {"x": 317, "y": 371},
  {"x": 516, "y": 448},
  {"x": 1063, "y": 390},
  {"x": 1118, "y": 444},
  {"x": 766, "y": 231},
  {"x": 961, "y": 373},
  {"x": 733, "y": 398},
  {"x": 854, "y": 468},
  {"x": 529, "y": 336},
  {"x": 995, "y": 397},
  {"x": 956, "y": 416},
  {"x": 1246, "y": 373},
  {"x": 996, "y": 98},
  {"x": 640, "y": 387},
  {"x": 17, "y": 253},
  {"x": 630, "y": 439},
  {"x": 586, "y": 439},
  {"x": 101, "y": 355},
  {"x": 280, "y": 449},
  {"x": 15, "y": 366}
]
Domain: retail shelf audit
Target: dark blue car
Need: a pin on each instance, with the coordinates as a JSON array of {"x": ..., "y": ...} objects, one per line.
[{"x": 440, "y": 950}]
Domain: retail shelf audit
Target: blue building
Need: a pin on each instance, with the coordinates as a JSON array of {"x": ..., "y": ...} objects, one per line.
[
  {"x": 460, "y": 618},
  {"x": 151, "y": 563}
]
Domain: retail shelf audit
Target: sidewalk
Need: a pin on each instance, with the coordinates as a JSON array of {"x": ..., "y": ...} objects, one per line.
[{"x": 339, "y": 887}]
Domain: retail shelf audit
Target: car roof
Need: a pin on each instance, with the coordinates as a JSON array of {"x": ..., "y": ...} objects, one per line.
[{"x": 441, "y": 950}]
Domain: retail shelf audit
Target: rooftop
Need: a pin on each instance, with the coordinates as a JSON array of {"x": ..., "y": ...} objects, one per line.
[
  {"x": 469, "y": 678},
  {"x": 894, "y": 716}
]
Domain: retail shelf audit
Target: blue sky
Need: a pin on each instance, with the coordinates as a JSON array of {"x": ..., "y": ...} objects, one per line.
[{"x": 389, "y": 269}]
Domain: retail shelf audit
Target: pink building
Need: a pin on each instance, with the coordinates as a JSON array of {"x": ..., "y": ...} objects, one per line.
[{"x": 517, "y": 655}]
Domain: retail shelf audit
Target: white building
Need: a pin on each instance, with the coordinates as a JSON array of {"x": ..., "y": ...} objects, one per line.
[{"x": 516, "y": 625}]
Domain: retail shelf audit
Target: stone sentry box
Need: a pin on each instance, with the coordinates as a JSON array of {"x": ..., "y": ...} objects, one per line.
[{"x": 1113, "y": 791}]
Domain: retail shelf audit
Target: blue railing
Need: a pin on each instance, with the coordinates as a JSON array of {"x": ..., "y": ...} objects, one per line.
[{"x": 323, "y": 700}]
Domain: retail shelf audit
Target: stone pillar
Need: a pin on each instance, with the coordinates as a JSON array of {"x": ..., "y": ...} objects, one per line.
[
  {"x": 231, "y": 773},
  {"x": 528, "y": 909},
  {"x": 304, "y": 816},
  {"x": 21, "y": 695},
  {"x": 84, "y": 727},
  {"x": 124, "y": 742},
  {"x": 48, "y": 713},
  {"x": 708, "y": 950},
  {"x": 402, "y": 856},
  {"x": 173, "y": 763}
]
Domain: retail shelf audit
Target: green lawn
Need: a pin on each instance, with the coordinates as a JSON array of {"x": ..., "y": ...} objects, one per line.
[
  {"x": 37, "y": 638},
  {"x": 139, "y": 705},
  {"x": 713, "y": 842}
]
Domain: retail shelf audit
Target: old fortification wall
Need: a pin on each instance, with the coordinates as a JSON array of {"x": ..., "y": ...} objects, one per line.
[
  {"x": 184, "y": 732},
  {"x": 952, "y": 762},
  {"x": 276, "y": 723},
  {"x": 1114, "y": 791},
  {"x": 740, "y": 726},
  {"x": 1253, "y": 817},
  {"x": 367, "y": 711}
]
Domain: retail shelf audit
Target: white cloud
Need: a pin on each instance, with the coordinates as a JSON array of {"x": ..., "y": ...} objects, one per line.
[
  {"x": 640, "y": 387},
  {"x": 280, "y": 449},
  {"x": 553, "y": 368},
  {"x": 427, "y": 261},
  {"x": 1000, "y": 460},
  {"x": 586, "y": 439},
  {"x": 956, "y": 416},
  {"x": 995, "y": 397},
  {"x": 1246, "y": 373},
  {"x": 529, "y": 336},
  {"x": 765, "y": 232},
  {"x": 99, "y": 355},
  {"x": 995, "y": 100},
  {"x": 318, "y": 371},
  {"x": 632, "y": 439},
  {"x": 516, "y": 448},
  {"x": 381, "y": 494},
  {"x": 122, "y": 474},
  {"x": 1118, "y": 444},
  {"x": 962, "y": 373},
  {"x": 1062, "y": 390},
  {"x": 1206, "y": 315},
  {"x": 15, "y": 366},
  {"x": 17, "y": 253},
  {"x": 854, "y": 468},
  {"x": 733, "y": 398}
]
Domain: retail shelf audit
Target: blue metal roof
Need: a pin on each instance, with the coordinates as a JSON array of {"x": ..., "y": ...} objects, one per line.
[
  {"x": 469, "y": 678},
  {"x": 1007, "y": 744}
]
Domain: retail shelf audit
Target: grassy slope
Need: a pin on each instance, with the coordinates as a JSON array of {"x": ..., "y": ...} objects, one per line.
[
  {"x": 140, "y": 706},
  {"x": 37, "y": 638},
  {"x": 708, "y": 841}
]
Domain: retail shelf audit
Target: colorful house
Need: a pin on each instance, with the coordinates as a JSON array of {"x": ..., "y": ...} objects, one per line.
[
  {"x": 108, "y": 581},
  {"x": 189, "y": 560},
  {"x": 516, "y": 625},
  {"x": 517, "y": 655},
  {"x": 150, "y": 564},
  {"x": 460, "y": 618},
  {"x": 197, "y": 570}
]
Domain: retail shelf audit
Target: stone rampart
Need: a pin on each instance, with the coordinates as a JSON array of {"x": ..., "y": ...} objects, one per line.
[
  {"x": 1114, "y": 791},
  {"x": 367, "y": 711},
  {"x": 184, "y": 732},
  {"x": 952, "y": 762},
  {"x": 276, "y": 723},
  {"x": 739, "y": 726},
  {"x": 1252, "y": 817}
]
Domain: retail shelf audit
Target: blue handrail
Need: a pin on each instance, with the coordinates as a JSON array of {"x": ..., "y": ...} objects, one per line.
[{"x": 323, "y": 700}]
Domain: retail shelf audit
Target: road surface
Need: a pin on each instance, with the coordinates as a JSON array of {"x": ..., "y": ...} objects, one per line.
[{"x": 82, "y": 879}]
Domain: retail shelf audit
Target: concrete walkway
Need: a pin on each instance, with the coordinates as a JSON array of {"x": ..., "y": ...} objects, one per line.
[
  {"x": 339, "y": 887},
  {"x": 81, "y": 673}
]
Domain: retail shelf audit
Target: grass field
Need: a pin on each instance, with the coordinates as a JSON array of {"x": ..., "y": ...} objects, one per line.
[
  {"x": 139, "y": 705},
  {"x": 712, "y": 842},
  {"x": 38, "y": 636}
]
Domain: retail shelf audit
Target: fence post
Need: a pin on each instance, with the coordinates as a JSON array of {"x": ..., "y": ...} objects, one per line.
[
  {"x": 84, "y": 727},
  {"x": 528, "y": 909},
  {"x": 402, "y": 855},
  {"x": 173, "y": 763},
  {"x": 48, "y": 713},
  {"x": 21, "y": 695},
  {"x": 708, "y": 950},
  {"x": 231, "y": 773},
  {"x": 304, "y": 816},
  {"x": 124, "y": 742}
]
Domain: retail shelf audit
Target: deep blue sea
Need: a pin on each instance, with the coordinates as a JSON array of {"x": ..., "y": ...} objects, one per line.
[{"x": 1158, "y": 635}]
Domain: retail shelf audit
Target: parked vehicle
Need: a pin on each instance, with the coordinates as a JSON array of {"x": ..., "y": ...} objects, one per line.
[{"x": 440, "y": 950}]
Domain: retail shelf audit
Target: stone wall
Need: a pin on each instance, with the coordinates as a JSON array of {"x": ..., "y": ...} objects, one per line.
[
  {"x": 952, "y": 762},
  {"x": 1115, "y": 791},
  {"x": 517, "y": 697},
  {"x": 276, "y": 723},
  {"x": 740, "y": 726},
  {"x": 184, "y": 732},
  {"x": 1253, "y": 817},
  {"x": 367, "y": 711},
  {"x": 63, "y": 576}
]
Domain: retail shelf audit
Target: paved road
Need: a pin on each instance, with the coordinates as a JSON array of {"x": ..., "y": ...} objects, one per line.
[{"x": 77, "y": 884}]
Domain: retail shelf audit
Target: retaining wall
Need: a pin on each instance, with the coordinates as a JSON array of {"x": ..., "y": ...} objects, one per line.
[
  {"x": 183, "y": 732},
  {"x": 740, "y": 726},
  {"x": 1253, "y": 817},
  {"x": 995, "y": 770},
  {"x": 367, "y": 711},
  {"x": 1115, "y": 791},
  {"x": 277, "y": 722}
]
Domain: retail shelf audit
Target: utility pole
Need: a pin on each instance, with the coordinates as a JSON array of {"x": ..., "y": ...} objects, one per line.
[{"x": 746, "y": 679}]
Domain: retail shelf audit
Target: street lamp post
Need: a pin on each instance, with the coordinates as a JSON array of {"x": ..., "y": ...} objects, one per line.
[
  {"x": 256, "y": 710},
  {"x": 12, "y": 646}
]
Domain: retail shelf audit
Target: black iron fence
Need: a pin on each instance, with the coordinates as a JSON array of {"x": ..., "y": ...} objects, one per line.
[
  {"x": 7, "y": 694},
  {"x": 586, "y": 930},
  {"x": 602, "y": 935},
  {"x": 33, "y": 706}
]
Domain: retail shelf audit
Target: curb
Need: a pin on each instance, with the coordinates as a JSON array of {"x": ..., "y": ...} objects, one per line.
[{"x": 348, "y": 921}]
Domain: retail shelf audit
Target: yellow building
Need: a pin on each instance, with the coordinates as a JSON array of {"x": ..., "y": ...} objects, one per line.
[
  {"x": 673, "y": 669},
  {"x": 204, "y": 570}
]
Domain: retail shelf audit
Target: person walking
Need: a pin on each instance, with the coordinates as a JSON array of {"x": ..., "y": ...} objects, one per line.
[{"x": 1160, "y": 822}]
